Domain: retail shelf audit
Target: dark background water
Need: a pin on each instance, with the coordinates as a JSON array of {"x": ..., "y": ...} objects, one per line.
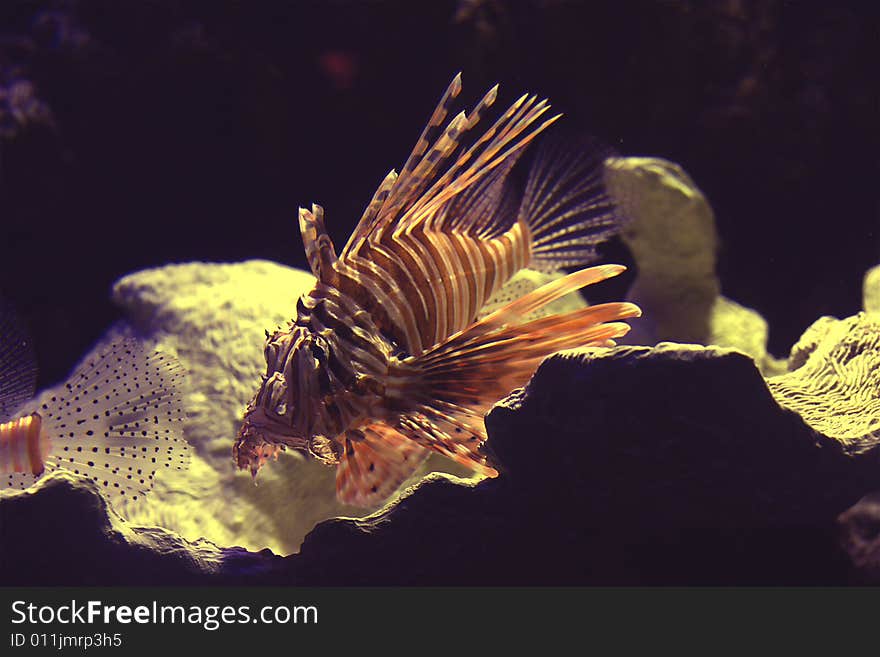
[{"x": 135, "y": 134}]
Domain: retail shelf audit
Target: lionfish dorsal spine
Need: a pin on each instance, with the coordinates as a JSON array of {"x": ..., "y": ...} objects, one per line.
[
  {"x": 368, "y": 221},
  {"x": 319, "y": 247}
]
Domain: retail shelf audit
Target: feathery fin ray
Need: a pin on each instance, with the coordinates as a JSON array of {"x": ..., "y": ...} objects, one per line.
[
  {"x": 476, "y": 367},
  {"x": 18, "y": 362},
  {"x": 565, "y": 204}
]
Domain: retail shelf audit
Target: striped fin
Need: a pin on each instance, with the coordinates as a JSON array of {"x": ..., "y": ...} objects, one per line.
[
  {"x": 512, "y": 131},
  {"x": 459, "y": 385},
  {"x": 453, "y": 431},
  {"x": 319, "y": 248},
  {"x": 409, "y": 182},
  {"x": 514, "y": 312},
  {"x": 486, "y": 208},
  {"x": 375, "y": 461},
  {"x": 18, "y": 363},
  {"x": 537, "y": 338},
  {"x": 432, "y": 127},
  {"x": 398, "y": 190},
  {"x": 368, "y": 221},
  {"x": 455, "y": 383},
  {"x": 433, "y": 176},
  {"x": 566, "y": 205}
]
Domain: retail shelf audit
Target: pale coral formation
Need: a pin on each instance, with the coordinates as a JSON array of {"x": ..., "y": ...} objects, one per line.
[
  {"x": 871, "y": 290},
  {"x": 672, "y": 236},
  {"x": 834, "y": 384}
]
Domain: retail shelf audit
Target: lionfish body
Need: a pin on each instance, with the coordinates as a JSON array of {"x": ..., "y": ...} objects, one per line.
[
  {"x": 117, "y": 420},
  {"x": 389, "y": 357}
]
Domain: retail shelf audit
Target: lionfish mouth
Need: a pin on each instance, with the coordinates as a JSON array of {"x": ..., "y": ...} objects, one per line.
[{"x": 258, "y": 441}]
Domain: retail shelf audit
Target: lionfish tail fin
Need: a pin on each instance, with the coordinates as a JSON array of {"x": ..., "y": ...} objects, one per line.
[
  {"x": 456, "y": 382},
  {"x": 18, "y": 363},
  {"x": 375, "y": 461},
  {"x": 566, "y": 206}
]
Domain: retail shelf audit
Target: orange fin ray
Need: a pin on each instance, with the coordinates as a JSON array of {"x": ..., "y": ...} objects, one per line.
[
  {"x": 456, "y": 382},
  {"x": 375, "y": 461},
  {"x": 368, "y": 221},
  {"x": 515, "y": 311},
  {"x": 519, "y": 130},
  {"x": 585, "y": 327},
  {"x": 408, "y": 184},
  {"x": 434, "y": 124},
  {"x": 487, "y": 369},
  {"x": 550, "y": 292},
  {"x": 434, "y": 176},
  {"x": 446, "y": 435}
]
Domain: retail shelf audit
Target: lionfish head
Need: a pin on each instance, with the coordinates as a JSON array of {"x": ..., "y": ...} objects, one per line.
[{"x": 288, "y": 409}]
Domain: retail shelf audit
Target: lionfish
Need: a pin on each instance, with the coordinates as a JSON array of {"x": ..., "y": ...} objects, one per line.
[
  {"x": 117, "y": 420},
  {"x": 389, "y": 357}
]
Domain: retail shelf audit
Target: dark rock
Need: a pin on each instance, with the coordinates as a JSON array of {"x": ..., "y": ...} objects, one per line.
[
  {"x": 671, "y": 465},
  {"x": 860, "y": 537}
]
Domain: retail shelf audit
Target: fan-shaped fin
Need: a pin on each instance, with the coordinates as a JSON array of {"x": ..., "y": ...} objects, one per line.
[{"x": 375, "y": 461}]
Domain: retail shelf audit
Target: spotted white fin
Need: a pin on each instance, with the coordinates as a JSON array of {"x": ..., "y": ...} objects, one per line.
[
  {"x": 375, "y": 461},
  {"x": 20, "y": 480},
  {"x": 119, "y": 419},
  {"x": 18, "y": 363}
]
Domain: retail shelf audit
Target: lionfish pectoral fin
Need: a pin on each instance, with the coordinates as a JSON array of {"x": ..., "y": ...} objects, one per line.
[
  {"x": 375, "y": 461},
  {"x": 516, "y": 311},
  {"x": 460, "y": 379},
  {"x": 320, "y": 251},
  {"x": 454, "y": 431}
]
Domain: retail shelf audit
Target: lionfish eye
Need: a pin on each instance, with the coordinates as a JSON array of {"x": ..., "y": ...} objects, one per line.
[
  {"x": 276, "y": 397},
  {"x": 319, "y": 353}
]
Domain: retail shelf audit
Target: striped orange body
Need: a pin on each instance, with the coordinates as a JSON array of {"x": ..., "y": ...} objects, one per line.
[
  {"x": 388, "y": 358},
  {"x": 23, "y": 446}
]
